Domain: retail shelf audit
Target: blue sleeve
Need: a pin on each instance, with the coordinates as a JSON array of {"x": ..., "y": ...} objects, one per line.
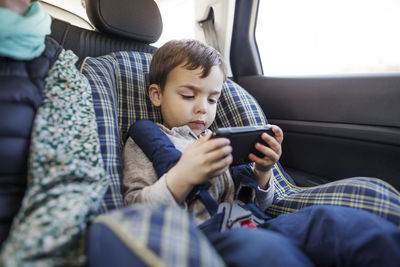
[
  {"x": 155, "y": 144},
  {"x": 243, "y": 174},
  {"x": 245, "y": 184}
]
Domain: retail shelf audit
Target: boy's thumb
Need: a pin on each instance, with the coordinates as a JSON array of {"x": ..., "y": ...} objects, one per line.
[{"x": 205, "y": 137}]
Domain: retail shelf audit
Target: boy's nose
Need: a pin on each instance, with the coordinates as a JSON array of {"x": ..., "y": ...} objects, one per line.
[{"x": 201, "y": 106}]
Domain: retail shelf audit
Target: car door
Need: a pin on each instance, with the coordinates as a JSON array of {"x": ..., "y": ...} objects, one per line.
[{"x": 335, "y": 125}]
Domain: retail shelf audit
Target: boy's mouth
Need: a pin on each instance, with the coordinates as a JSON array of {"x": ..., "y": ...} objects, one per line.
[{"x": 197, "y": 124}]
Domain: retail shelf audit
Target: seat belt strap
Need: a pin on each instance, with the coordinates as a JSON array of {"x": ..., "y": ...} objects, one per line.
[
  {"x": 210, "y": 34},
  {"x": 200, "y": 192}
]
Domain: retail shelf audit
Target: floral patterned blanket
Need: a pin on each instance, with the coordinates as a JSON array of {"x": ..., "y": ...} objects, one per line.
[{"x": 66, "y": 177}]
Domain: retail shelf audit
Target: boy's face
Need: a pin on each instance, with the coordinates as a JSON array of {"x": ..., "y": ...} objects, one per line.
[{"x": 188, "y": 99}]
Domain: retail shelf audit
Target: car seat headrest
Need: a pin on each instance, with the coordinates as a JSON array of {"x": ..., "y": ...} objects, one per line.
[{"x": 134, "y": 19}]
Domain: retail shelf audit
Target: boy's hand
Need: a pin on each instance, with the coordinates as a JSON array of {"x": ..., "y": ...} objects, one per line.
[
  {"x": 262, "y": 166},
  {"x": 201, "y": 161}
]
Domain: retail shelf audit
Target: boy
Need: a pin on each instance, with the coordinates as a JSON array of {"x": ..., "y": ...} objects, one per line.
[
  {"x": 188, "y": 101},
  {"x": 186, "y": 78}
]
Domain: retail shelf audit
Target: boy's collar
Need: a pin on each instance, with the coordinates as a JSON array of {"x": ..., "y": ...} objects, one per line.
[{"x": 182, "y": 130}]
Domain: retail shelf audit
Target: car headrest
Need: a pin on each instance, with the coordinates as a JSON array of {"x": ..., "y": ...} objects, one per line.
[{"x": 134, "y": 19}]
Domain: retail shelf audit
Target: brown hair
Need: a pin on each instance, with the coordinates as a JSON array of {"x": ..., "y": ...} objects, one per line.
[{"x": 192, "y": 53}]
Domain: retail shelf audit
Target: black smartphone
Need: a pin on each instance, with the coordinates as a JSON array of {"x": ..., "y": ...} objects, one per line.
[{"x": 243, "y": 140}]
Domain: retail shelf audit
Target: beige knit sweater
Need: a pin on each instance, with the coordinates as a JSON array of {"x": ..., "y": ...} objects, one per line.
[{"x": 143, "y": 185}]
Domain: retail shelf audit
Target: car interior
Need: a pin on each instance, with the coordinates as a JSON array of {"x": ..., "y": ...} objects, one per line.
[{"x": 335, "y": 126}]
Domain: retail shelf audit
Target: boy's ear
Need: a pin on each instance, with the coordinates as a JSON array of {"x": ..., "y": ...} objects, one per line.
[{"x": 155, "y": 94}]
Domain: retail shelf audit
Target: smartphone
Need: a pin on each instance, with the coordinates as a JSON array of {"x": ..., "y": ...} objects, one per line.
[{"x": 243, "y": 140}]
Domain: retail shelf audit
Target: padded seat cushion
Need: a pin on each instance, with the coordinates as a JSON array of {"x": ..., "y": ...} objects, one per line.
[{"x": 118, "y": 87}]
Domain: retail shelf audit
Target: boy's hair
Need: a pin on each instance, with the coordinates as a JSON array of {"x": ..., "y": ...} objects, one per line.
[{"x": 192, "y": 53}]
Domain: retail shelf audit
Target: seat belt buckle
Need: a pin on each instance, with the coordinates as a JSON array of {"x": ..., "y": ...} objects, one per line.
[
  {"x": 248, "y": 224},
  {"x": 235, "y": 216}
]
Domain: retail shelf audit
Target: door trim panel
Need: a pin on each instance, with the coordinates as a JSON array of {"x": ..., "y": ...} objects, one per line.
[{"x": 335, "y": 126}]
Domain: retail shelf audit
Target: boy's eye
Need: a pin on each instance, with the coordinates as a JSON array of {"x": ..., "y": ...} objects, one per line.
[
  {"x": 187, "y": 96},
  {"x": 212, "y": 100}
]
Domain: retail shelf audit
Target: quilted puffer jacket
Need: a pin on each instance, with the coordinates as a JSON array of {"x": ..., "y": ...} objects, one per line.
[{"x": 21, "y": 87}]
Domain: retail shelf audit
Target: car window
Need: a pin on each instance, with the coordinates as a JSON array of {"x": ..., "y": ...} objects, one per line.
[
  {"x": 327, "y": 37},
  {"x": 176, "y": 26},
  {"x": 72, "y": 11}
]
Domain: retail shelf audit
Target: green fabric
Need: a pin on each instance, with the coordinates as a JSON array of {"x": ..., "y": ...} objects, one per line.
[
  {"x": 66, "y": 175},
  {"x": 22, "y": 37}
]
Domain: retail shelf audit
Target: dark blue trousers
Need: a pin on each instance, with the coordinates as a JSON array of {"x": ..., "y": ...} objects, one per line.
[{"x": 316, "y": 235}]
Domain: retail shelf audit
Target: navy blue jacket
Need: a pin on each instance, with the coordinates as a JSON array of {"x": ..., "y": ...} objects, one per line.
[{"x": 21, "y": 87}]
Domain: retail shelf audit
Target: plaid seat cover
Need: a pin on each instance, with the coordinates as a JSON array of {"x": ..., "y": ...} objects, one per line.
[
  {"x": 370, "y": 194},
  {"x": 119, "y": 87},
  {"x": 160, "y": 236},
  {"x": 118, "y": 84}
]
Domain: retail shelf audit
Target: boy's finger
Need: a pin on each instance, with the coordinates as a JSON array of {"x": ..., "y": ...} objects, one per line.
[
  {"x": 221, "y": 165},
  {"x": 205, "y": 137},
  {"x": 278, "y": 133},
  {"x": 271, "y": 141},
  {"x": 216, "y": 144},
  {"x": 222, "y": 152},
  {"x": 272, "y": 144},
  {"x": 267, "y": 151},
  {"x": 268, "y": 160}
]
